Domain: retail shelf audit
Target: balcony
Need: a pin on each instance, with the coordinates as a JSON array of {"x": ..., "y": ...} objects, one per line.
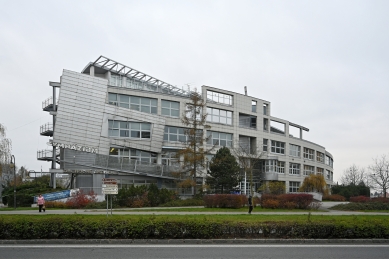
[
  {"x": 46, "y": 155},
  {"x": 47, "y": 130},
  {"x": 270, "y": 176},
  {"x": 47, "y": 105}
]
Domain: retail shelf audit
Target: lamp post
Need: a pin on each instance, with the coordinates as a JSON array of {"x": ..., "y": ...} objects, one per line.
[{"x": 14, "y": 163}]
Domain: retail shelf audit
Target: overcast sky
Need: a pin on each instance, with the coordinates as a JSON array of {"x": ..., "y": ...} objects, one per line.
[{"x": 321, "y": 64}]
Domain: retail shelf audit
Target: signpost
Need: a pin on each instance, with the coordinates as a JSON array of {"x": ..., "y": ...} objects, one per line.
[{"x": 109, "y": 186}]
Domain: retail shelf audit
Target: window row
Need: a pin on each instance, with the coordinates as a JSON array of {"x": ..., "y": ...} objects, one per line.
[
  {"x": 270, "y": 166},
  {"x": 278, "y": 147},
  {"x": 219, "y": 138},
  {"x": 219, "y": 97},
  {"x": 142, "y": 104},
  {"x": 129, "y": 129},
  {"x": 131, "y": 155},
  {"x": 219, "y": 116}
]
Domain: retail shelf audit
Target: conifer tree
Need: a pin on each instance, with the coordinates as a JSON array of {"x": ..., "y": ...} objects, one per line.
[{"x": 223, "y": 171}]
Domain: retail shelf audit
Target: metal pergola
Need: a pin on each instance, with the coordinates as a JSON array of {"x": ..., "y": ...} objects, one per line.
[{"x": 123, "y": 70}]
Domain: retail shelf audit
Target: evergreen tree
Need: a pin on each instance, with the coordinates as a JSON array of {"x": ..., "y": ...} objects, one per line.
[{"x": 223, "y": 171}]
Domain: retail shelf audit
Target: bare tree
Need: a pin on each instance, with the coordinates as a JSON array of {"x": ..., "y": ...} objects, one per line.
[
  {"x": 379, "y": 174},
  {"x": 354, "y": 175},
  {"x": 248, "y": 158}
]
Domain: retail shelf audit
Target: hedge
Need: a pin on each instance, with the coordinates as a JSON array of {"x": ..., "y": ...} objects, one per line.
[
  {"x": 225, "y": 201},
  {"x": 287, "y": 201},
  {"x": 79, "y": 227}
]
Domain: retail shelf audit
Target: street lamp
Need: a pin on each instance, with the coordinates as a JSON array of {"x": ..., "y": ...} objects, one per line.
[{"x": 14, "y": 162}]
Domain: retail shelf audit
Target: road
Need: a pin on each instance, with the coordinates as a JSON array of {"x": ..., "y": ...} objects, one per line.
[{"x": 290, "y": 251}]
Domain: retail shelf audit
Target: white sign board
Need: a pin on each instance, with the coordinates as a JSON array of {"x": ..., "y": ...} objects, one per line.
[
  {"x": 109, "y": 186},
  {"x": 110, "y": 191}
]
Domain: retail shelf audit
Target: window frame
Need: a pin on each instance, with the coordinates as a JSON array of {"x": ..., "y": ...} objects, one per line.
[
  {"x": 277, "y": 147},
  {"x": 126, "y": 129},
  {"x": 170, "y": 108},
  {"x": 294, "y": 169},
  {"x": 293, "y": 151}
]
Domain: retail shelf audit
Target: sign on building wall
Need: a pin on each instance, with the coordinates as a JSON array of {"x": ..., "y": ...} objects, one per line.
[
  {"x": 76, "y": 147},
  {"x": 58, "y": 195}
]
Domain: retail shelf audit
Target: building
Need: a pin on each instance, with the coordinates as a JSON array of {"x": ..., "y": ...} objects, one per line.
[{"x": 113, "y": 121}]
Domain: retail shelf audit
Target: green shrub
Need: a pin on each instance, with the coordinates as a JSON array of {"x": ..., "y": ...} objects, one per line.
[
  {"x": 359, "y": 206},
  {"x": 351, "y": 190},
  {"x": 92, "y": 227}
]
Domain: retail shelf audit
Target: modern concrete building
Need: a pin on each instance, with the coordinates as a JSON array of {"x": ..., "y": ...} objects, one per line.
[{"x": 111, "y": 120}]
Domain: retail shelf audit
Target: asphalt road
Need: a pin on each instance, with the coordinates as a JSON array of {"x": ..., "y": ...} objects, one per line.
[{"x": 293, "y": 251}]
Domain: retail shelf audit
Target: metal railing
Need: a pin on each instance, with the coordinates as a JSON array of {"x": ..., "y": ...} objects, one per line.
[
  {"x": 47, "y": 103},
  {"x": 46, "y": 154},
  {"x": 46, "y": 128},
  {"x": 75, "y": 160}
]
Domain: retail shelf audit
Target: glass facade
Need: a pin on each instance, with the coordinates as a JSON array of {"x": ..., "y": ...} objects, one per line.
[
  {"x": 277, "y": 147},
  {"x": 129, "y": 129},
  {"x": 142, "y": 104},
  {"x": 170, "y": 108},
  {"x": 219, "y": 116},
  {"x": 219, "y": 97},
  {"x": 219, "y": 138},
  {"x": 129, "y": 154}
]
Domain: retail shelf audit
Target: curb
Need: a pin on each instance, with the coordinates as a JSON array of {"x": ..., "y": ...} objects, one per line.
[{"x": 190, "y": 241}]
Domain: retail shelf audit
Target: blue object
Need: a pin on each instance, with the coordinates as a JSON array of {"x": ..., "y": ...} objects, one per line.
[{"x": 54, "y": 196}]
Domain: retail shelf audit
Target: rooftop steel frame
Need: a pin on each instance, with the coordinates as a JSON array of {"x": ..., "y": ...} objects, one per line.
[{"x": 123, "y": 70}]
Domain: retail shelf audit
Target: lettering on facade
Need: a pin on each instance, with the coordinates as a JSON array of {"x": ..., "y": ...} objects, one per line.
[{"x": 76, "y": 147}]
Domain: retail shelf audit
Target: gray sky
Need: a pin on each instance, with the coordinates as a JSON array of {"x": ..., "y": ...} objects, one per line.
[{"x": 322, "y": 64}]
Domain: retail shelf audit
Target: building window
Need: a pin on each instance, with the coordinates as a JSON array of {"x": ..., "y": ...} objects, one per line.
[
  {"x": 277, "y": 147},
  {"x": 115, "y": 80},
  {"x": 309, "y": 153},
  {"x": 219, "y": 139},
  {"x": 170, "y": 108},
  {"x": 274, "y": 166},
  {"x": 328, "y": 175},
  {"x": 143, "y": 104},
  {"x": 319, "y": 170},
  {"x": 294, "y": 169},
  {"x": 247, "y": 121},
  {"x": 129, "y": 129},
  {"x": 264, "y": 146},
  {"x": 265, "y": 111},
  {"x": 219, "y": 116},
  {"x": 294, "y": 150},
  {"x": 219, "y": 97},
  {"x": 329, "y": 161},
  {"x": 169, "y": 158},
  {"x": 129, "y": 154},
  {"x": 254, "y": 106},
  {"x": 308, "y": 170},
  {"x": 319, "y": 157},
  {"x": 174, "y": 134},
  {"x": 265, "y": 123},
  {"x": 294, "y": 186}
]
